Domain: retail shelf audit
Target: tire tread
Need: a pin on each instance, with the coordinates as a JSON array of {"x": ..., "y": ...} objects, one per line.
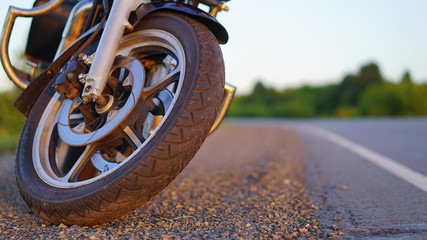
[{"x": 166, "y": 161}]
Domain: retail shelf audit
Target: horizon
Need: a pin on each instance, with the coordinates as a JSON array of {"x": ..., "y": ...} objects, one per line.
[{"x": 334, "y": 82}]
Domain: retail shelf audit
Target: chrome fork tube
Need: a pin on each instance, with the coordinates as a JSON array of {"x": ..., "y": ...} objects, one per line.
[
  {"x": 116, "y": 23},
  {"x": 11, "y": 16}
]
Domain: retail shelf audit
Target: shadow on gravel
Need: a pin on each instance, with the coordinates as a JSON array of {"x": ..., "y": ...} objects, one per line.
[{"x": 244, "y": 183}]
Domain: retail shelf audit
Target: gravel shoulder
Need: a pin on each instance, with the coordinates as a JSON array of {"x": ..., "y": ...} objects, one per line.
[{"x": 244, "y": 183}]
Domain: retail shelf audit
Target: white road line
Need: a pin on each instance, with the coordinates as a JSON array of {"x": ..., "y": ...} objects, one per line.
[{"x": 415, "y": 178}]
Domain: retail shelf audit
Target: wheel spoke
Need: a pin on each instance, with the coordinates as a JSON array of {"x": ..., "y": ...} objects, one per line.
[
  {"x": 133, "y": 136},
  {"x": 80, "y": 128},
  {"x": 75, "y": 145},
  {"x": 160, "y": 85},
  {"x": 133, "y": 127},
  {"x": 76, "y": 116},
  {"x": 72, "y": 175}
]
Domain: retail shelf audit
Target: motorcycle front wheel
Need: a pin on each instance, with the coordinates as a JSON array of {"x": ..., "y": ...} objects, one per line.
[{"x": 80, "y": 164}]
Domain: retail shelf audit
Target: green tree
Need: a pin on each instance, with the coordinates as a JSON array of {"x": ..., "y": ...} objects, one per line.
[
  {"x": 259, "y": 93},
  {"x": 365, "y": 93},
  {"x": 348, "y": 91},
  {"x": 370, "y": 74},
  {"x": 351, "y": 87},
  {"x": 382, "y": 100},
  {"x": 406, "y": 78}
]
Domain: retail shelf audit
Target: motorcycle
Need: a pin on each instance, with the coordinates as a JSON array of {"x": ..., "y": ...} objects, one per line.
[{"x": 121, "y": 95}]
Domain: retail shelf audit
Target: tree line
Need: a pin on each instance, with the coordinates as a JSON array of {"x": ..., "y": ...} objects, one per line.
[{"x": 365, "y": 93}]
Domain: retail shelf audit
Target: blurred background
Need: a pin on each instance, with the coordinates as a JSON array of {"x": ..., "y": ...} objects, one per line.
[{"x": 300, "y": 59}]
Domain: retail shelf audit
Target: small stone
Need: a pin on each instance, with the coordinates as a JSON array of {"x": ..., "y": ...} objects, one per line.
[
  {"x": 62, "y": 235},
  {"x": 335, "y": 227},
  {"x": 303, "y": 230},
  {"x": 343, "y": 187},
  {"x": 253, "y": 188},
  {"x": 337, "y": 218},
  {"x": 167, "y": 237},
  {"x": 62, "y": 225},
  {"x": 160, "y": 223}
]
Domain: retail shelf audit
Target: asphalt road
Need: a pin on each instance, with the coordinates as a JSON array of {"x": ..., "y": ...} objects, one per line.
[
  {"x": 272, "y": 179},
  {"x": 371, "y": 201},
  {"x": 356, "y": 194}
]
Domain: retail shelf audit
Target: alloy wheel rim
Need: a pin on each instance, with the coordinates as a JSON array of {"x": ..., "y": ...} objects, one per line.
[{"x": 51, "y": 152}]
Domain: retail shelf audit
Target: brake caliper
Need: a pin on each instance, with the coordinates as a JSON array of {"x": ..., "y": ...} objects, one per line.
[{"x": 67, "y": 82}]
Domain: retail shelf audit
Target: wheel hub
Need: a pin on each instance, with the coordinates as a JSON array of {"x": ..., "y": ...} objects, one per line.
[{"x": 81, "y": 135}]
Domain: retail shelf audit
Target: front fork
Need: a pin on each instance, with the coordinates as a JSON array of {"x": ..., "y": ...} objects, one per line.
[{"x": 96, "y": 79}]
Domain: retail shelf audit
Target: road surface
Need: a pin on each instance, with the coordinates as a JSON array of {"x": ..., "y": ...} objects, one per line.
[
  {"x": 368, "y": 176},
  {"x": 274, "y": 179},
  {"x": 372, "y": 198},
  {"x": 244, "y": 183}
]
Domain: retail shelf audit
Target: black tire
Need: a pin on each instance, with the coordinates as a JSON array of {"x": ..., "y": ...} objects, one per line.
[{"x": 150, "y": 167}]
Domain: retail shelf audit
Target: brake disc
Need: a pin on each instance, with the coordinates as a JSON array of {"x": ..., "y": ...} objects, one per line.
[{"x": 80, "y": 135}]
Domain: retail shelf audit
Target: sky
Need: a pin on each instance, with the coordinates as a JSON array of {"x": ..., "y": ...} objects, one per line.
[{"x": 289, "y": 43}]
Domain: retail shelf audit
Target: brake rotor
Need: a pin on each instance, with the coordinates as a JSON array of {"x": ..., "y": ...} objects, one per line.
[{"x": 80, "y": 134}]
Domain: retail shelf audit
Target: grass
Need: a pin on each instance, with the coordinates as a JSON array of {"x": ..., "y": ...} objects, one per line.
[
  {"x": 8, "y": 143},
  {"x": 11, "y": 121}
]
